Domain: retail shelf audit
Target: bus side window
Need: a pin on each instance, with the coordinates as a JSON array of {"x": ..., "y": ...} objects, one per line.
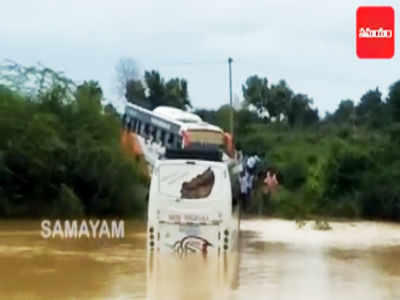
[
  {"x": 133, "y": 125},
  {"x": 170, "y": 140},
  {"x": 147, "y": 130},
  {"x": 153, "y": 131},
  {"x": 162, "y": 137},
  {"x": 124, "y": 120},
  {"x": 179, "y": 144},
  {"x": 138, "y": 127},
  {"x": 142, "y": 129}
]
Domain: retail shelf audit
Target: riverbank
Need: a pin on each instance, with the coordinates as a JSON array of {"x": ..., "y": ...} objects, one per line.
[{"x": 343, "y": 234}]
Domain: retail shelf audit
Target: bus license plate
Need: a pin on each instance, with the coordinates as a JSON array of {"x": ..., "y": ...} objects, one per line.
[{"x": 189, "y": 229}]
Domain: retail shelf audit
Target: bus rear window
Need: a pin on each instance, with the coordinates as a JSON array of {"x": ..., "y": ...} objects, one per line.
[
  {"x": 206, "y": 137},
  {"x": 199, "y": 186},
  {"x": 188, "y": 181}
]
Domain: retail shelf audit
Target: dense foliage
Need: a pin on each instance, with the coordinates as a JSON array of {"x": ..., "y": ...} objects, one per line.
[
  {"x": 61, "y": 156},
  {"x": 60, "y": 152},
  {"x": 345, "y": 165}
]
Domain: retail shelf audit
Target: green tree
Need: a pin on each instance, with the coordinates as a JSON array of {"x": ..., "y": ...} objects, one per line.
[
  {"x": 299, "y": 111},
  {"x": 110, "y": 109},
  {"x": 173, "y": 93},
  {"x": 209, "y": 116},
  {"x": 256, "y": 92},
  {"x": 371, "y": 108},
  {"x": 394, "y": 100},
  {"x": 156, "y": 88},
  {"x": 223, "y": 116},
  {"x": 243, "y": 119},
  {"x": 274, "y": 99},
  {"x": 60, "y": 155},
  {"x": 345, "y": 113},
  {"x": 280, "y": 100},
  {"x": 176, "y": 93},
  {"x": 136, "y": 93},
  {"x": 90, "y": 89}
]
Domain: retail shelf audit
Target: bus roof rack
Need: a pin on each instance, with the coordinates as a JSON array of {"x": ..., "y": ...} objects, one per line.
[{"x": 200, "y": 154}]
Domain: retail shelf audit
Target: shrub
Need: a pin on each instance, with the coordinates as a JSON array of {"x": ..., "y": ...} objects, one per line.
[
  {"x": 289, "y": 204},
  {"x": 64, "y": 158},
  {"x": 322, "y": 225},
  {"x": 68, "y": 203},
  {"x": 344, "y": 170},
  {"x": 381, "y": 196},
  {"x": 294, "y": 175}
]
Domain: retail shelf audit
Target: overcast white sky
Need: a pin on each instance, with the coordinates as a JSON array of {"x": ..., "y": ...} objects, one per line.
[{"x": 310, "y": 44}]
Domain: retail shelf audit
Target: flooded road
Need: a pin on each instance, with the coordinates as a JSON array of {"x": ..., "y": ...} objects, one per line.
[{"x": 278, "y": 260}]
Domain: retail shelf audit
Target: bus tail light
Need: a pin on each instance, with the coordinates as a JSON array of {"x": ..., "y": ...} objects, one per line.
[
  {"x": 186, "y": 139},
  {"x": 226, "y": 239},
  {"x": 151, "y": 238},
  {"x": 228, "y": 141}
]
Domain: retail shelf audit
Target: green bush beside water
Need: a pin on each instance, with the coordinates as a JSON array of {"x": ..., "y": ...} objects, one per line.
[
  {"x": 355, "y": 175},
  {"x": 344, "y": 165},
  {"x": 62, "y": 157}
]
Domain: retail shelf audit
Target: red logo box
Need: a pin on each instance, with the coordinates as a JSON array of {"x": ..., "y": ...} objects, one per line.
[{"x": 375, "y": 32}]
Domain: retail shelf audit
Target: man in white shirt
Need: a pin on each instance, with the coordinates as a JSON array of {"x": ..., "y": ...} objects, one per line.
[{"x": 252, "y": 162}]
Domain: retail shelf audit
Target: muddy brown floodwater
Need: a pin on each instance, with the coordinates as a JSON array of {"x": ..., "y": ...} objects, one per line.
[{"x": 354, "y": 260}]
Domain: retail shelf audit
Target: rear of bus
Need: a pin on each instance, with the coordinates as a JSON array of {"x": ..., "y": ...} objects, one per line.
[
  {"x": 190, "y": 208},
  {"x": 204, "y": 134}
]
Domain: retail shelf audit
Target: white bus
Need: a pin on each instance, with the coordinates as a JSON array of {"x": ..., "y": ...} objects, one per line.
[
  {"x": 193, "y": 204},
  {"x": 193, "y": 211},
  {"x": 172, "y": 128}
]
